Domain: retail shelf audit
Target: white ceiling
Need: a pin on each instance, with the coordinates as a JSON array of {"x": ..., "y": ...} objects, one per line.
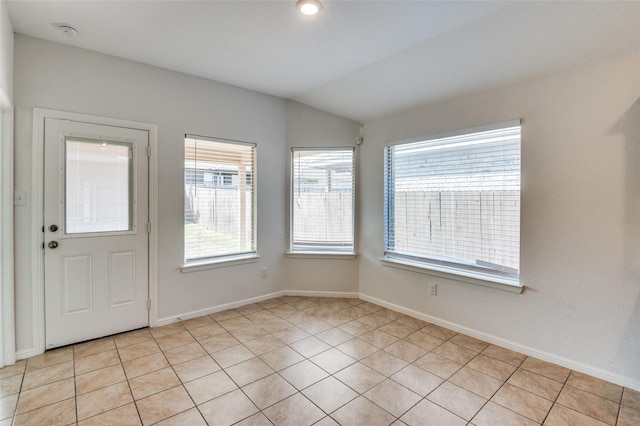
[{"x": 359, "y": 59}]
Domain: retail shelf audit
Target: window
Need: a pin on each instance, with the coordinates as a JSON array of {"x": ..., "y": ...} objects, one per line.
[
  {"x": 453, "y": 204},
  {"x": 322, "y": 188},
  {"x": 98, "y": 186},
  {"x": 219, "y": 199}
]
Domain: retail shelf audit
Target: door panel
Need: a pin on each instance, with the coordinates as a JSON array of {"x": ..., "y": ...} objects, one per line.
[
  {"x": 122, "y": 278},
  {"x": 96, "y": 255},
  {"x": 77, "y": 284}
]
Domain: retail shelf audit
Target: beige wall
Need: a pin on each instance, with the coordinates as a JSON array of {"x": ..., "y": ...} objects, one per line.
[
  {"x": 308, "y": 127},
  {"x": 6, "y": 53},
  {"x": 580, "y": 232},
  {"x": 60, "y": 77},
  {"x": 580, "y": 241},
  {"x": 7, "y": 347}
]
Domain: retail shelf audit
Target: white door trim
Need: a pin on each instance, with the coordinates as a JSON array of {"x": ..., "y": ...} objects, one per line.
[
  {"x": 37, "y": 215},
  {"x": 7, "y": 308}
]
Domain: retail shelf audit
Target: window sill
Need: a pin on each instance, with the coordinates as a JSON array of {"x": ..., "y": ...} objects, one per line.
[
  {"x": 220, "y": 263},
  {"x": 320, "y": 255},
  {"x": 455, "y": 274}
]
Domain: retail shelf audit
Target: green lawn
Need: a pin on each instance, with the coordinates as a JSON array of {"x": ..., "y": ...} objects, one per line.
[{"x": 202, "y": 242}]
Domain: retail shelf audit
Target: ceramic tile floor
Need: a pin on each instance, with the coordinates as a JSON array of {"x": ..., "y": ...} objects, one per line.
[{"x": 302, "y": 361}]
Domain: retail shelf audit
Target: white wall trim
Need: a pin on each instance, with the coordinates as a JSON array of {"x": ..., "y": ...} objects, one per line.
[
  {"x": 321, "y": 255},
  {"x": 37, "y": 222},
  {"x": 27, "y": 353},
  {"x": 529, "y": 351},
  {"x": 233, "y": 305},
  {"x": 153, "y": 219},
  {"x": 37, "y": 212},
  {"x": 218, "y": 308},
  {"x": 450, "y": 273},
  {"x": 308, "y": 293},
  {"x": 7, "y": 308}
]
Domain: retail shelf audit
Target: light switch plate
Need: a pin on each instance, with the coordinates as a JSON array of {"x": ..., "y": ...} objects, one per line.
[{"x": 19, "y": 198}]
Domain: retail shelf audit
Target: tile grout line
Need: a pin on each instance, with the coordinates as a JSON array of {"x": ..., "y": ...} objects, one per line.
[
  {"x": 174, "y": 372},
  {"x": 75, "y": 384},
  {"x": 301, "y": 320},
  {"x": 555, "y": 401},
  {"x": 126, "y": 378},
  {"x": 15, "y": 411},
  {"x": 501, "y": 386},
  {"x": 183, "y": 383}
]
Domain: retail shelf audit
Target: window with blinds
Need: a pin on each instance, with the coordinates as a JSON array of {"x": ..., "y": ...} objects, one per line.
[
  {"x": 322, "y": 198},
  {"x": 219, "y": 198},
  {"x": 454, "y": 202}
]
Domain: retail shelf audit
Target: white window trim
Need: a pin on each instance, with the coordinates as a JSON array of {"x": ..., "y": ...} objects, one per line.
[
  {"x": 455, "y": 274},
  {"x": 222, "y": 261},
  {"x": 321, "y": 255},
  {"x": 442, "y": 135},
  {"x": 324, "y": 254},
  {"x": 451, "y": 272}
]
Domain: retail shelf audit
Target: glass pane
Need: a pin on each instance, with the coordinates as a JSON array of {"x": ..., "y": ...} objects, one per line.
[
  {"x": 322, "y": 200},
  {"x": 98, "y": 186},
  {"x": 456, "y": 199},
  {"x": 219, "y": 209}
]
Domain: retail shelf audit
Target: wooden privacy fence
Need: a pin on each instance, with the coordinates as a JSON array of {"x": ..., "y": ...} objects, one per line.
[
  {"x": 469, "y": 225},
  {"x": 461, "y": 224},
  {"x": 323, "y": 216},
  {"x": 220, "y": 211}
]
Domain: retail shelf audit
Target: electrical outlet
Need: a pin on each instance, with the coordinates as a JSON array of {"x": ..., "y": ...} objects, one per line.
[
  {"x": 433, "y": 289},
  {"x": 264, "y": 272}
]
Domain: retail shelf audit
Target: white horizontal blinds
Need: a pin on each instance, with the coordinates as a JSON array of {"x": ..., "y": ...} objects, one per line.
[
  {"x": 456, "y": 200},
  {"x": 219, "y": 202},
  {"x": 322, "y": 200}
]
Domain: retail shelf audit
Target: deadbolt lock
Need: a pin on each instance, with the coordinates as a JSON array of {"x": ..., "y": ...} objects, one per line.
[{"x": 53, "y": 228}]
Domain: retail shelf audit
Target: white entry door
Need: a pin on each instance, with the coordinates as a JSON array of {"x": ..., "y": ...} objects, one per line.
[{"x": 95, "y": 235}]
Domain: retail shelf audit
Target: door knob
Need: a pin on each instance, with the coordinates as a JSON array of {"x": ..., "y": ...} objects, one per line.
[
  {"x": 53, "y": 244},
  {"x": 53, "y": 228}
]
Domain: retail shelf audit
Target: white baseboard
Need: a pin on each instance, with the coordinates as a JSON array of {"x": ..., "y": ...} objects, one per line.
[
  {"x": 237, "y": 304},
  {"x": 218, "y": 308},
  {"x": 529, "y": 351},
  {"x": 27, "y": 353},
  {"x": 306, "y": 293}
]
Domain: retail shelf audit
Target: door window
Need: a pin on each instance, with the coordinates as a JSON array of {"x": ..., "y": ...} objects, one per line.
[{"x": 98, "y": 186}]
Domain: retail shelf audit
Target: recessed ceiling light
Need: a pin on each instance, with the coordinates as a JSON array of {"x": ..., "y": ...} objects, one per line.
[
  {"x": 309, "y": 7},
  {"x": 66, "y": 29}
]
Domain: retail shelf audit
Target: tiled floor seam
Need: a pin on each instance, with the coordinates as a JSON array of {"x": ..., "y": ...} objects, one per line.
[
  {"x": 498, "y": 390},
  {"x": 619, "y": 410},
  {"x": 223, "y": 370},
  {"x": 555, "y": 400},
  {"x": 181, "y": 385},
  {"x": 127, "y": 379},
  {"x": 75, "y": 388},
  {"x": 309, "y": 305}
]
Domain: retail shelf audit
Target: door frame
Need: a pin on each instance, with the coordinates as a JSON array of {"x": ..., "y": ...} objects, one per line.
[
  {"x": 7, "y": 308},
  {"x": 37, "y": 214}
]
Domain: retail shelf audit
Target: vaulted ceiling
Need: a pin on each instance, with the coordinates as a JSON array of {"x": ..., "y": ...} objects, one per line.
[{"x": 359, "y": 59}]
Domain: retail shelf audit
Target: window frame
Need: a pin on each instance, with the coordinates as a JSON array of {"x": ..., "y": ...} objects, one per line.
[
  {"x": 230, "y": 259},
  {"x": 505, "y": 280},
  {"x": 132, "y": 186},
  {"x": 327, "y": 251}
]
